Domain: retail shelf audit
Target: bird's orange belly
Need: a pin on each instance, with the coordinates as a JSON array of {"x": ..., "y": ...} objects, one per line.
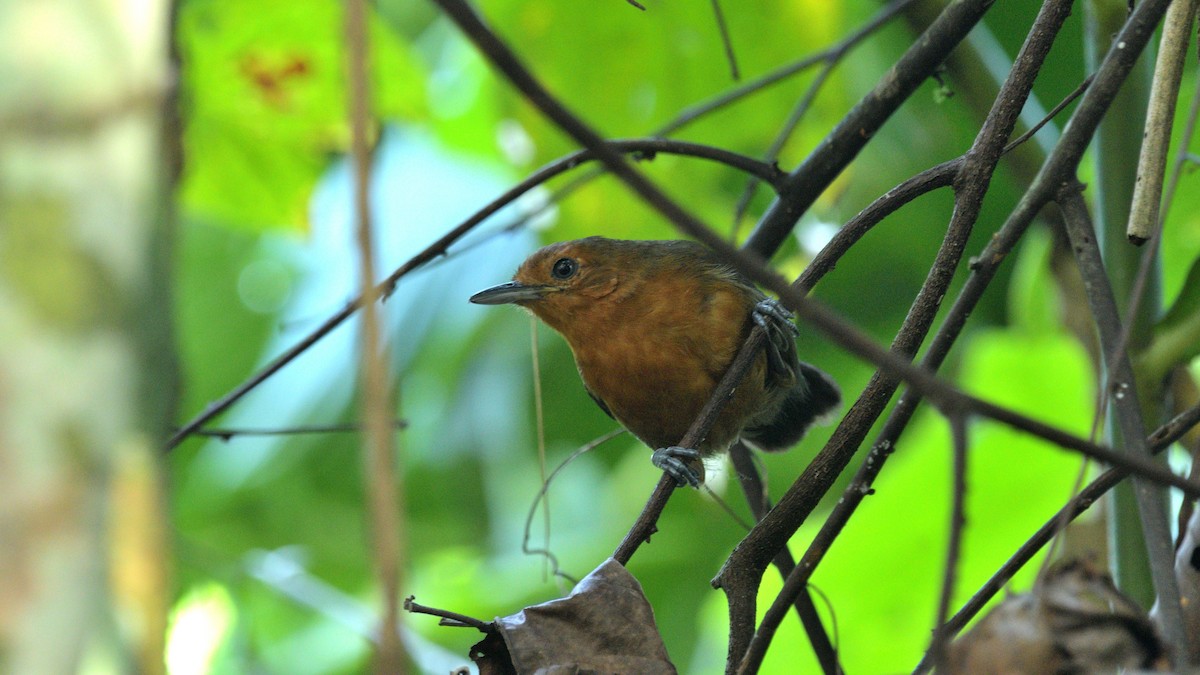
[{"x": 656, "y": 395}]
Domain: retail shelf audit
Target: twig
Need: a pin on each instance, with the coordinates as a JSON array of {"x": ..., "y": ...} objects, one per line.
[
  {"x": 229, "y": 433},
  {"x": 1032, "y": 131},
  {"x": 1158, "y": 441},
  {"x": 745, "y": 565},
  {"x": 941, "y": 637},
  {"x": 579, "y": 452},
  {"x": 540, "y": 424},
  {"x": 756, "y": 495},
  {"x": 1160, "y": 116},
  {"x": 1128, "y": 412},
  {"x": 927, "y": 181},
  {"x": 781, "y": 138},
  {"x": 831, "y": 53},
  {"x": 384, "y": 486},
  {"x": 1175, "y": 429},
  {"x": 843, "y": 144},
  {"x": 726, "y": 41},
  {"x": 646, "y": 523},
  {"x": 448, "y": 618}
]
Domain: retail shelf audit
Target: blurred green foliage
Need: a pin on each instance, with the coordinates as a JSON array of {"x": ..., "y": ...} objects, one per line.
[{"x": 278, "y": 524}]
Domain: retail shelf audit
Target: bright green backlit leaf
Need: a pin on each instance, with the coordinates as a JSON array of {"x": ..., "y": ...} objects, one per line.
[{"x": 1032, "y": 304}]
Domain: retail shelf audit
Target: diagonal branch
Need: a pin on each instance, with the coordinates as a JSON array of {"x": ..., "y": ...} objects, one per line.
[
  {"x": 1158, "y": 441},
  {"x": 1126, "y": 404},
  {"x": 843, "y": 144},
  {"x": 749, "y": 559}
]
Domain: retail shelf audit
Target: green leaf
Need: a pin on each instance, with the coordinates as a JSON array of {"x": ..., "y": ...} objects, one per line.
[
  {"x": 264, "y": 102},
  {"x": 1187, "y": 305},
  {"x": 1176, "y": 337}
]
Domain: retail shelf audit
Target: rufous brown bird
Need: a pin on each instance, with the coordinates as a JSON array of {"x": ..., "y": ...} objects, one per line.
[{"x": 653, "y": 326}]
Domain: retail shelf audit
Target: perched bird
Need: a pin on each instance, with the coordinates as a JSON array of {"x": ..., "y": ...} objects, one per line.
[{"x": 653, "y": 326}]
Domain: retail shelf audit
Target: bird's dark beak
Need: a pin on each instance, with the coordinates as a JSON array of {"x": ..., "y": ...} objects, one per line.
[{"x": 511, "y": 292}]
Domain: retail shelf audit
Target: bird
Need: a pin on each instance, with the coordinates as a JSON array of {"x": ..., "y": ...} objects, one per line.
[{"x": 653, "y": 327}]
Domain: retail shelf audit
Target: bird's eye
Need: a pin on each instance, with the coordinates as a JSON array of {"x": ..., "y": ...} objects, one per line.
[{"x": 564, "y": 268}]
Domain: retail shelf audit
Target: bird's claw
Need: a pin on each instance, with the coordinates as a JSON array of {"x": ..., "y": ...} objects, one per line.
[
  {"x": 772, "y": 316},
  {"x": 781, "y": 332},
  {"x": 675, "y": 462}
]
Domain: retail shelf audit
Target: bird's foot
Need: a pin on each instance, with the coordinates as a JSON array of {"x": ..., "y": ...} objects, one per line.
[
  {"x": 771, "y": 315},
  {"x": 781, "y": 332},
  {"x": 680, "y": 463}
]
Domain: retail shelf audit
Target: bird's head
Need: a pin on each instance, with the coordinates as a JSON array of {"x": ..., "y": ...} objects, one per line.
[{"x": 562, "y": 282}]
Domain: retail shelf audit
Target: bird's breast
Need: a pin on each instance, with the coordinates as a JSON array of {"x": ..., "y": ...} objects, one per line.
[{"x": 656, "y": 374}]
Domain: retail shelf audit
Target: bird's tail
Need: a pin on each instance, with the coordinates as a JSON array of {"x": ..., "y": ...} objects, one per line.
[{"x": 813, "y": 397}]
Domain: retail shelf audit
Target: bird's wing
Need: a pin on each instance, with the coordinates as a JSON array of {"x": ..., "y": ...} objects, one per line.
[{"x": 599, "y": 401}]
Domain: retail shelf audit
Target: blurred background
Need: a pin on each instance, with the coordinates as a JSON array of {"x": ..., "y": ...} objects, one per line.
[{"x": 257, "y": 547}]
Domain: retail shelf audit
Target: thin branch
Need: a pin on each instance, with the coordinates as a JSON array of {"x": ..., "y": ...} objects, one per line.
[
  {"x": 1158, "y": 441},
  {"x": 781, "y": 139},
  {"x": 384, "y": 486},
  {"x": 726, "y": 40},
  {"x": 843, "y": 144},
  {"x": 941, "y": 637},
  {"x": 1067, "y": 100},
  {"x": 927, "y": 181},
  {"x": 229, "y": 433},
  {"x": 1126, "y": 403},
  {"x": 1160, "y": 116},
  {"x": 749, "y": 559},
  {"x": 448, "y": 618},
  {"x": 646, "y": 523},
  {"x": 756, "y": 495},
  {"x": 831, "y": 53},
  {"x": 544, "y": 490},
  {"x": 1175, "y": 429}
]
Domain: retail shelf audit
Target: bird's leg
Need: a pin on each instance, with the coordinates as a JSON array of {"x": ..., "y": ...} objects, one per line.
[
  {"x": 776, "y": 320},
  {"x": 675, "y": 461}
]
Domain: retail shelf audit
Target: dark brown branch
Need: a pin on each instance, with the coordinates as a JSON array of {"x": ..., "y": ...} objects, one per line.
[
  {"x": 843, "y": 144},
  {"x": 958, "y": 520},
  {"x": 1175, "y": 429},
  {"x": 645, "y": 525},
  {"x": 756, "y": 495},
  {"x": 1126, "y": 405},
  {"x": 798, "y": 502},
  {"x": 448, "y": 618}
]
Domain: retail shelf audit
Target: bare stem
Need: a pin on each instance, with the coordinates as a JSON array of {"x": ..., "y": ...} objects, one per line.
[{"x": 379, "y": 466}]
